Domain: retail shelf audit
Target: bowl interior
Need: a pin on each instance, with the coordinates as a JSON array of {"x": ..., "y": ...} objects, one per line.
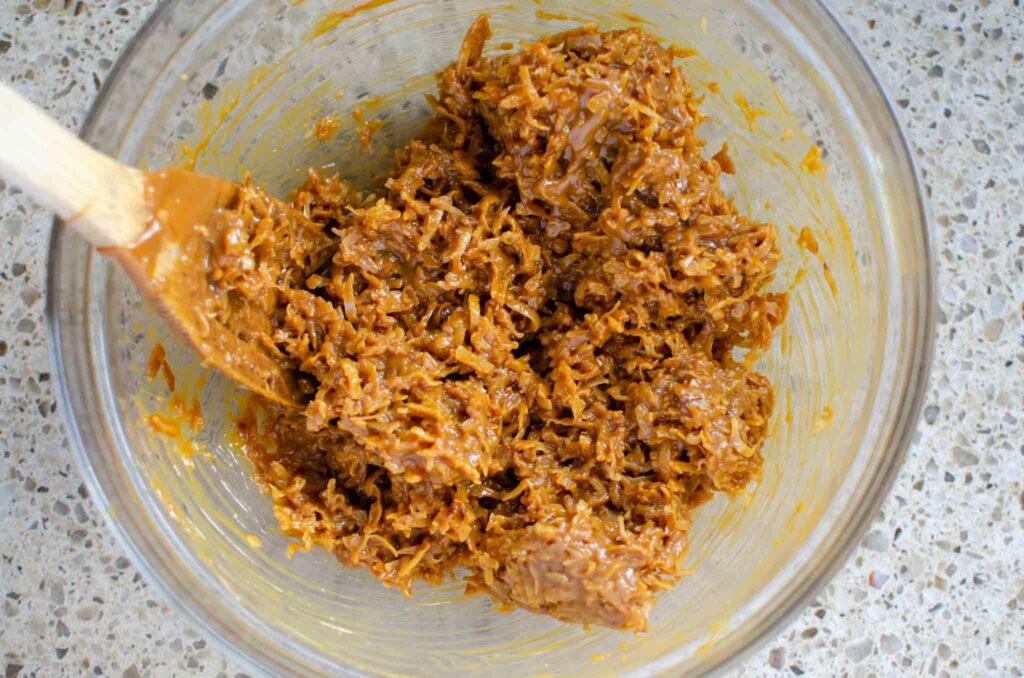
[{"x": 844, "y": 365}]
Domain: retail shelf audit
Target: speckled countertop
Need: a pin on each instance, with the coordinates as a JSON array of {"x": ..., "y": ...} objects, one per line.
[{"x": 937, "y": 585}]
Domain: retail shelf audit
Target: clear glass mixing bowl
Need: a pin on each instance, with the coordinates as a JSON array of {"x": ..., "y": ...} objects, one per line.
[{"x": 241, "y": 81}]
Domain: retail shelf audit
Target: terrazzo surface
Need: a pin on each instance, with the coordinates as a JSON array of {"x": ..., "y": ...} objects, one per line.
[{"x": 935, "y": 588}]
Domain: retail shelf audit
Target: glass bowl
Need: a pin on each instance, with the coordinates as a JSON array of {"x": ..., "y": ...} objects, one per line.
[{"x": 230, "y": 85}]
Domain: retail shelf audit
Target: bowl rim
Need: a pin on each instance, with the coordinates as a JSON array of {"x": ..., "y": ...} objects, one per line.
[{"x": 900, "y": 434}]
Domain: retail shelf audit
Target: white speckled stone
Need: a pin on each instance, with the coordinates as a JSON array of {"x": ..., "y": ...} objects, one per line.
[{"x": 937, "y": 585}]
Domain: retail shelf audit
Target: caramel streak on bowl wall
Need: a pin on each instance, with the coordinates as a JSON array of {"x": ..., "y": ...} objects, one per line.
[
  {"x": 176, "y": 418},
  {"x": 332, "y": 20}
]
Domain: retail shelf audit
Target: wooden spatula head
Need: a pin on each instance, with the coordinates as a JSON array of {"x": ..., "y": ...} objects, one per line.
[
  {"x": 193, "y": 222},
  {"x": 195, "y": 245}
]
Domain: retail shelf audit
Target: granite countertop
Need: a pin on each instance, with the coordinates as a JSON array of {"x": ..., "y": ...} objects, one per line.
[{"x": 936, "y": 586}]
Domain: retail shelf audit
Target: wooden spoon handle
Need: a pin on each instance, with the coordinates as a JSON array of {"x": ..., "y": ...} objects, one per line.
[{"x": 96, "y": 195}]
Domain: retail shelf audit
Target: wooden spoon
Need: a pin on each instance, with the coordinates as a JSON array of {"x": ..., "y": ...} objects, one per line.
[{"x": 162, "y": 227}]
